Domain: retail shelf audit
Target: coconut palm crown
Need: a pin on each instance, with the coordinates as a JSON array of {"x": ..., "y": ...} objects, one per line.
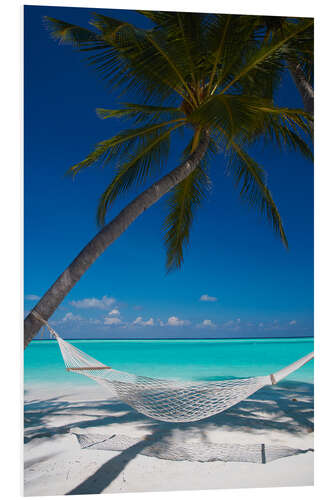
[{"x": 209, "y": 74}]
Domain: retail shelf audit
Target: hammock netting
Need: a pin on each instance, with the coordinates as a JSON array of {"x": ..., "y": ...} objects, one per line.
[
  {"x": 195, "y": 451},
  {"x": 168, "y": 400}
]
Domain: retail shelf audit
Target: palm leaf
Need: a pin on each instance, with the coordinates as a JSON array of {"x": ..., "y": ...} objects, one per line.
[
  {"x": 290, "y": 129},
  {"x": 250, "y": 118},
  {"x": 70, "y": 33},
  {"x": 183, "y": 202},
  {"x": 124, "y": 56},
  {"x": 148, "y": 158},
  {"x": 120, "y": 146},
  {"x": 141, "y": 113},
  {"x": 267, "y": 51},
  {"x": 250, "y": 178},
  {"x": 219, "y": 51}
]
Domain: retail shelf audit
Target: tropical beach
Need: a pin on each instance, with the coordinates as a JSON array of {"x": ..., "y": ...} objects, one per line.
[
  {"x": 168, "y": 301},
  {"x": 65, "y": 408}
]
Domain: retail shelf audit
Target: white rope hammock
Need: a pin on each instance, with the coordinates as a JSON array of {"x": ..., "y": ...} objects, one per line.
[{"x": 168, "y": 400}]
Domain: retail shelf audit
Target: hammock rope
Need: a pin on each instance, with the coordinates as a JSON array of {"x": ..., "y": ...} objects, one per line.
[{"x": 167, "y": 400}]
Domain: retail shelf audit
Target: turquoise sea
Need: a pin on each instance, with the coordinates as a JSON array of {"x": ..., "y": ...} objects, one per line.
[{"x": 180, "y": 359}]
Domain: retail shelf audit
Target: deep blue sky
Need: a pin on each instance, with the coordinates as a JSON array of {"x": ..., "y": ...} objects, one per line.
[{"x": 260, "y": 288}]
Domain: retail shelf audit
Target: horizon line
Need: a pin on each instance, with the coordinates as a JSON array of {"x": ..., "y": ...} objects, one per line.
[{"x": 182, "y": 338}]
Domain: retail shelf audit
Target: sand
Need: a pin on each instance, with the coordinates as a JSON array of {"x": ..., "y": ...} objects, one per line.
[{"x": 55, "y": 464}]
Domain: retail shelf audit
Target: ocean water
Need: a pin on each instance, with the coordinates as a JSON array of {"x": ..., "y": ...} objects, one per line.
[{"x": 179, "y": 359}]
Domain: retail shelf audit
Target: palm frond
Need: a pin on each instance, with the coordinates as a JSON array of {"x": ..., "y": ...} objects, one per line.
[
  {"x": 159, "y": 18},
  {"x": 250, "y": 178},
  {"x": 171, "y": 55},
  {"x": 147, "y": 158},
  {"x": 267, "y": 52},
  {"x": 232, "y": 113},
  {"x": 70, "y": 33},
  {"x": 225, "y": 34},
  {"x": 301, "y": 50},
  {"x": 141, "y": 113},
  {"x": 183, "y": 202},
  {"x": 250, "y": 118},
  {"x": 187, "y": 30},
  {"x": 290, "y": 129},
  {"x": 219, "y": 51},
  {"x": 120, "y": 147},
  {"x": 124, "y": 56}
]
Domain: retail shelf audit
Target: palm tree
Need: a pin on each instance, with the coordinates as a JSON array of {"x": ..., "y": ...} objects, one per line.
[{"x": 204, "y": 75}]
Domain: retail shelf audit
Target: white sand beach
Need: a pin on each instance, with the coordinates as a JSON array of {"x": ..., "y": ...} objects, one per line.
[{"x": 55, "y": 464}]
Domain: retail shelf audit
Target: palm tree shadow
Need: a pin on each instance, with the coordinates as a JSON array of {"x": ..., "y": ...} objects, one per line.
[
  {"x": 287, "y": 407},
  {"x": 110, "y": 470},
  {"x": 83, "y": 414}
]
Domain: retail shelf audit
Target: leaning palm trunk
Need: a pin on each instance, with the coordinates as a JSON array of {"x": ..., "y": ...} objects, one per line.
[
  {"x": 66, "y": 281},
  {"x": 304, "y": 87}
]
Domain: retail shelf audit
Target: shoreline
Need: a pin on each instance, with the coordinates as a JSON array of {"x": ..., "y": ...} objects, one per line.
[{"x": 177, "y": 338}]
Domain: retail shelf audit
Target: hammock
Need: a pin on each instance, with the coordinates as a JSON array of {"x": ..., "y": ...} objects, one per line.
[{"x": 168, "y": 400}]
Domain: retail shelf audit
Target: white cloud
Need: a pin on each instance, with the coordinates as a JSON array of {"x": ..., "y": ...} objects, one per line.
[
  {"x": 71, "y": 317},
  {"x": 174, "y": 321},
  {"x": 140, "y": 322},
  {"x": 103, "y": 303},
  {"x": 292, "y": 322},
  {"x": 112, "y": 321},
  {"x": 31, "y": 296},
  {"x": 207, "y": 298},
  {"x": 233, "y": 324},
  {"x": 76, "y": 317},
  {"x": 114, "y": 312},
  {"x": 206, "y": 323}
]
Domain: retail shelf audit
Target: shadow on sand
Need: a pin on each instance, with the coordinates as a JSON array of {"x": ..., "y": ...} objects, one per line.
[{"x": 287, "y": 407}]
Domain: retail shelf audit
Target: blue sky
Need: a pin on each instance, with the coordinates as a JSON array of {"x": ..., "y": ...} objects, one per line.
[{"x": 237, "y": 279}]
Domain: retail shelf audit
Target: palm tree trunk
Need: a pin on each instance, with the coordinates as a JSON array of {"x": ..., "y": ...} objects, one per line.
[
  {"x": 62, "y": 286},
  {"x": 303, "y": 86}
]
